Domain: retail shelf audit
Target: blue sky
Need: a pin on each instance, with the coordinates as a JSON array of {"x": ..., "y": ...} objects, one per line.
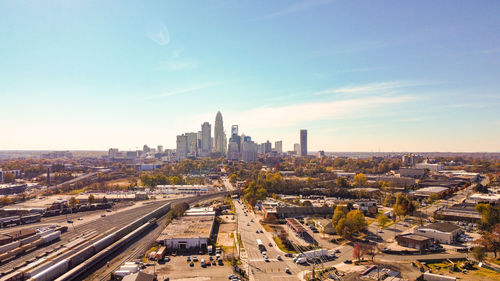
[{"x": 359, "y": 75}]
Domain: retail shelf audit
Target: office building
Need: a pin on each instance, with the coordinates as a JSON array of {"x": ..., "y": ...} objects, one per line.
[
  {"x": 267, "y": 147},
  {"x": 113, "y": 153},
  {"x": 249, "y": 150},
  {"x": 296, "y": 148},
  {"x": 234, "y": 130},
  {"x": 206, "y": 139},
  {"x": 278, "y": 147},
  {"x": 233, "y": 152},
  {"x": 146, "y": 149},
  {"x": 182, "y": 147},
  {"x": 159, "y": 148},
  {"x": 303, "y": 142},
  {"x": 192, "y": 143},
  {"x": 219, "y": 135}
]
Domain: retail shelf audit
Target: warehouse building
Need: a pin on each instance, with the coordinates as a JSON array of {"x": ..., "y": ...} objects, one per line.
[
  {"x": 442, "y": 232},
  {"x": 187, "y": 232},
  {"x": 414, "y": 241}
]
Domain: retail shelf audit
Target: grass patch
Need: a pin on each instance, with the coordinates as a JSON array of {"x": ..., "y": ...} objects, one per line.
[
  {"x": 267, "y": 227},
  {"x": 282, "y": 247}
]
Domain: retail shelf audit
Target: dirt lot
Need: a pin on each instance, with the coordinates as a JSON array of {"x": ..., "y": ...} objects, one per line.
[
  {"x": 226, "y": 229},
  {"x": 477, "y": 273}
]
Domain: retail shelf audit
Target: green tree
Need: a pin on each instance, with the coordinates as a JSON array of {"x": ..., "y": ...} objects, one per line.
[
  {"x": 91, "y": 199},
  {"x": 9, "y": 178},
  {"x": 382, "y": 220},
  {"x": 490, "y": 215}
]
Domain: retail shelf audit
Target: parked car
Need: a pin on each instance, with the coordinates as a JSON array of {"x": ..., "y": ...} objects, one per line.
[
  {"x": 288, "y": 255},
  {"x": 188, "y": 258},
  {"x": 195, "y": 259},
  {"x": 278, "y": 257},
  {"x": 287, "y": 270},
  {"x": 191, "y": 264}
]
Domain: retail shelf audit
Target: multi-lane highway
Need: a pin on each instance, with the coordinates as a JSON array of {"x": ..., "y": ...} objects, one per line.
[{"x": 253, "y": 260}]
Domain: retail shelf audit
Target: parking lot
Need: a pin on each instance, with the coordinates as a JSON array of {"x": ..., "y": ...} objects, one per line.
[{"x": 178, "y": 268}]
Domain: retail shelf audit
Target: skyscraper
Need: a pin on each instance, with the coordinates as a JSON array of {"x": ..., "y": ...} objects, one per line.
[
  {"x": 206, "y": 139},
  {"x": 303, "y": 142},
  {"x": 219, "y": 135},
  {"x": 234, "y": 130}
]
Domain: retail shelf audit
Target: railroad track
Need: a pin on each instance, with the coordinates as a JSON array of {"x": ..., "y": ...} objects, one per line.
[
  {"x": 101, "y": 225},
  {"x": 139, "y": 251}
]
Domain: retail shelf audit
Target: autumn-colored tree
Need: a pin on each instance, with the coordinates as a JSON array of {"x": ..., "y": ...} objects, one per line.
[
  {"x": 9, "y": 178},
  {"x": 233, "y": 178},
  {"x": 252, "y": 201},
  {"x": 73, "y": 202},
  {"x": 360, "y": 180},
  {"x": 479, "y": 253}
]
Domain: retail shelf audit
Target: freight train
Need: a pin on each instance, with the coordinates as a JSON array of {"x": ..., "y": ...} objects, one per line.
[
  {"x": 17, "y": 220},
  {"x": 81, "y": 261},
  {"x": 21, "y": 246}
]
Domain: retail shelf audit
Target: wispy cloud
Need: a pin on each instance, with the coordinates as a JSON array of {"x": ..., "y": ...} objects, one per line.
[
  {"x": 181, "y": 91},
  {"x": 160, "y": 36},
  {"x": 368, "y": 88},
  {"x": 273, "y": 117}
]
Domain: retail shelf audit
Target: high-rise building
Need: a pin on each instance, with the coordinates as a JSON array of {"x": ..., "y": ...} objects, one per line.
[
  {"x": 112, "y": 153},
  {"x": 219, "y": 135},
  {"x": 248, "y": 150},
  {"x": 296, "y": 148},
  {"x": 234, "y": 130},
  {"x": 267, "y": 147},
  {"x": 192, "y": 143},
  {"x": 206, "y": 139},
  {"x": 146, "y": 148},
  {"x": 182, "y": 147},
  {"x": 159, "y": 148},
  {"x": 303, "y": 142},
  {"x": 278, "y": 147}
]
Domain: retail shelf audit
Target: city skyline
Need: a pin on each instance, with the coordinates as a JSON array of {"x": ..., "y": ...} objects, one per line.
[{"x": 373, "y": 77}]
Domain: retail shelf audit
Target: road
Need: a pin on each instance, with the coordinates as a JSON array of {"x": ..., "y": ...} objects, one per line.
[{"x": 251, "y": 256}]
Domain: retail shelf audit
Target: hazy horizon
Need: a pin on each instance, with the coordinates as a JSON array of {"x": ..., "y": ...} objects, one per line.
[{"x": 360, "y": 76}]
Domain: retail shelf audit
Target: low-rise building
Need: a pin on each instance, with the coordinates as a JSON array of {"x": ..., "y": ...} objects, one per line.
[
  {"x": 484, "y": 198},
  {"x": 414, "y": 241},
  {"x": 411, "y": 172},
  {"x": 187, "y": 232},
  {"x": 442, "y": 232},
  {"x": 428, "y": 191},
  {"x": 6, "y": 189}
]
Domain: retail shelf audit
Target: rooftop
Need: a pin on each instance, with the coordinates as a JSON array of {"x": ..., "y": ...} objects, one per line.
[
  {"x": 188, "y": 227},
  {"x": 441, "y": 226}
]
